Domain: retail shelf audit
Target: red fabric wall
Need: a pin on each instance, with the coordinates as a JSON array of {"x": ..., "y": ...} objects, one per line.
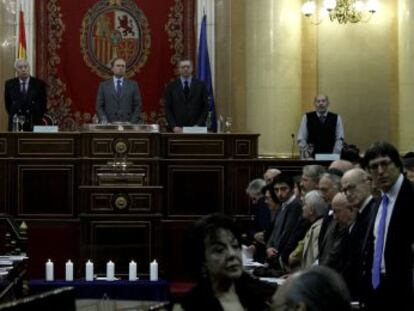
[{"x": 73, "y": 79}]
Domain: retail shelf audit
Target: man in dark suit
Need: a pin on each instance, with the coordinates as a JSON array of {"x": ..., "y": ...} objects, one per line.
[
  {"x": 118, "y": 99},
  {"x": 388, "y": 253},
  {"x": 356, "y": 185},
  {"x": 186, "y": 99},
  {"x": 25, "y": 96},
  {"x": 289, "y": 227},
  {"x": 320, "y": 131}
]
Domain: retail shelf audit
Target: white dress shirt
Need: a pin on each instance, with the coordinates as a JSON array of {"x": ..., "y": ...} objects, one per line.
[{"x": 302, "y": 137}]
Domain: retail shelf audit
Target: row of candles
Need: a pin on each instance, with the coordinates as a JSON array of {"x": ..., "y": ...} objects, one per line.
[{"x": 110, "y": 271}]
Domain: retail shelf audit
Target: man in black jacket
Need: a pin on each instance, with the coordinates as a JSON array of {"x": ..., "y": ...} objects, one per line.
[
  {"x": 388, "y": 254},
  {"x": 186, "y": 99},
  {"x": 356, "y": 185},
  {"x": 289, "y": 227},
  {"x": 25, "y": 96}
]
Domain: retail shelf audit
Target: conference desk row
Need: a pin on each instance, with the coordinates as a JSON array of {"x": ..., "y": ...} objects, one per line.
[{"x": 51, "y": 181}]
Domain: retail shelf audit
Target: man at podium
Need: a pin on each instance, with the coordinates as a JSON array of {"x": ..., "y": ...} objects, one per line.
[
  {"x": 186, "y": 99},
  {"x": 320, "y": 131},
  {"x": 25, "y": 97},
  {"x": 118, "y": 98}
]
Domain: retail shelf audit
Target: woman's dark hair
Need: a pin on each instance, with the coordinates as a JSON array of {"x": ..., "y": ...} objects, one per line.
[
  {"x": 382, "y": 149},
  {"x": 350, "y": 153},
  {"x": 320, "y": 289},
  {"x": 208, "y": 226},
  {"x": 271, "y": 189},
  {"x": 286, "y": 179}
]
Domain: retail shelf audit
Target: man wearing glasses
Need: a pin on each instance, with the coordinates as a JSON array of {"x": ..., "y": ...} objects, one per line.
[
  {"x": 388, "y": 251},
  {"x": 320, "y": 131}
]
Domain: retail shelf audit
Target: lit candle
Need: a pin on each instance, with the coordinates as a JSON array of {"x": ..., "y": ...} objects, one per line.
[
  {"x": 154, "y": 271},
  {"x": 49, "y": 270},
  {"x": 69, "y": 271},
  {"x": 110, "y": 271},
  {"x": 89, "y": 271},
  {"x": 132, "y": 271}
]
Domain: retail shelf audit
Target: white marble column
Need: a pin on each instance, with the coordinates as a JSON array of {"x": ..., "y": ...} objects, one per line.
[
  {"x": 273, "y": 72},
  {"x": 406, "y": 75}
]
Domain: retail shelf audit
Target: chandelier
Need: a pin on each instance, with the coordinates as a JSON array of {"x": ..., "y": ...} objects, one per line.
[{"x": 343, "y": 11}]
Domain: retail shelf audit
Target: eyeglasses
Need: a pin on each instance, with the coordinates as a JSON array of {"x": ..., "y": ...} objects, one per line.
[
  {"x": 321, "y": 100},
  {"x": 377, "y": 165}
]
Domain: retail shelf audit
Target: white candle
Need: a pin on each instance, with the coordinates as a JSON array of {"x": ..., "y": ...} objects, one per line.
[
  {"x": 49, "y": 270},
  {"x": 69, "y": 271},
  {"x": 132, "y": 271},
  {"x": 154, "y": 271},
  {"x": 110, "y": 271},
  {"x": 89, "y": 271}
]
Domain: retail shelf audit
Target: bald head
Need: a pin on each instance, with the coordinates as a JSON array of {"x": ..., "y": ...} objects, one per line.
[
  {"x": 343, "y": 211},
  {"x": 342, "y": 165},
  {"x": 356, "y": 185},
  {"x": 270, "y": 175}
]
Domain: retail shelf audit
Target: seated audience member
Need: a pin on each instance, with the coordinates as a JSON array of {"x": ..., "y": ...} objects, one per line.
[
  {"x": 341, "y": 165},
  {"x": 314, "y": 208},
  {"x": 315, "y": 289},
  {"x": 259, "y": 207},
  {"x": 289, "y": 227},
  {"x": 270, "y": 175},
  {"x": 351, "y": 153},
  {"x": 310, "y": 177},
  {"x": 215, "y": 259},
  {"x": 408, "y": 163}
]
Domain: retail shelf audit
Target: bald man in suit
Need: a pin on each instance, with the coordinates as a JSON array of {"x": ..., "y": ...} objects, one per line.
[{"x": 118, "y": 98}]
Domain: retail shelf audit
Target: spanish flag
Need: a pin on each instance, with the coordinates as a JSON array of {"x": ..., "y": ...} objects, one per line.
[{"x": 21, "y": 52}]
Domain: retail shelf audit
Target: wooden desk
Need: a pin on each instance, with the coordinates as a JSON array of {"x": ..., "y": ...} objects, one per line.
[{"x": 50, "y": 181}]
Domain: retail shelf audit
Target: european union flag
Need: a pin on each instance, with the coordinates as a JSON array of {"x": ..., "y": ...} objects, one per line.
[{"x": 204, "y": 72}]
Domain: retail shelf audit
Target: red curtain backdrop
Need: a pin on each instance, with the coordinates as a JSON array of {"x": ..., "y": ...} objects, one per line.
[{"x": 64, "y": 41}]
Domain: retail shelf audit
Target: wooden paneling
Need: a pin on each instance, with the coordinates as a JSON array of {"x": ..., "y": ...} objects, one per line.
[
  {"x": 120, "y": 241},
  {"x": 49, "y": 180},
  {"x": 3, "y": 146},
  {"x": 57, "y": 240},
  {"x": 195, "y": 190},
  {"x": 45, "y": 190},
  {"x": 102, "y": 200},
  {"x": 195, "y": 148}
]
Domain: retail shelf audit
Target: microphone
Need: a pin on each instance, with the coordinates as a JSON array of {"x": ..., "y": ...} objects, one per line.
[{"x": 293, "y": 145}]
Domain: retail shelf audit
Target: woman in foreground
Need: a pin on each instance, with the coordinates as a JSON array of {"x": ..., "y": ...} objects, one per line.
[{"x": 215, "y": 256}]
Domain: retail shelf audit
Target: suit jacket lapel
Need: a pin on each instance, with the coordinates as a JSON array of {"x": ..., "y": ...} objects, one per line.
[{"x": 180, "y": 89}]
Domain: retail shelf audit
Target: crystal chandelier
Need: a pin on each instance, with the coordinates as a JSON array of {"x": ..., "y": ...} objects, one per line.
[{"x": 343, "y": 11}]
